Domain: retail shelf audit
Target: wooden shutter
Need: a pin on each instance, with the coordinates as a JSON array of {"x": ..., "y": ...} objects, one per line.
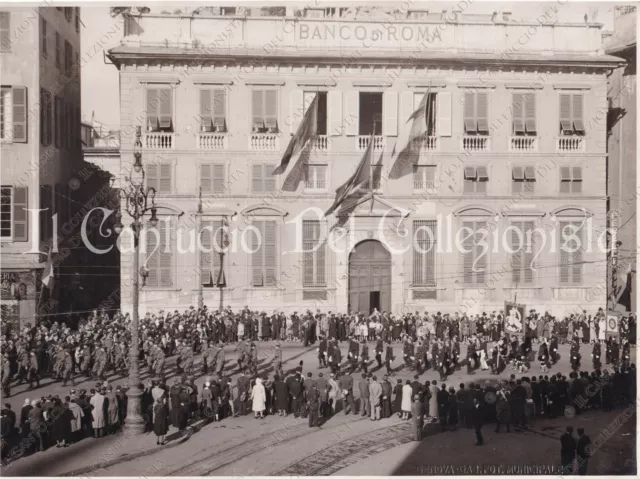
[
  {"x": 43, "y": 116},
  {"x": 257, "y": 184},
  {"x": 320, "y": 253},
  {"x": 270, "y": 252},
  {"x": 271, "y": 109},
  {"x": 518, "y": 113},
  {"x": 578, "y": 113},
  {"x": 166, "y": 254},
  {"x": 153, "y": 177},
  {"x": 206, "y": 110},
  {"x": 307, "y": 256},
  {"x": 257, "y": 109},
  {"x": 352, "y": 112},
  {"x": 296, "y": 110},
  {"x": 576, "y": 273},
  {"x": 269, "y": 179},
  {"x": 566, "y": 119},
  {"x": 565, "y": 179},
  {"x": 530, "y": 112},
  {"x": 576, "y": 179},
  {"x": 528, "y": 251},
  {"x": 153, "y": 258},
  {"x": 206, "y": 241},
  {"x": 517, "y": 257},
  {"x": 19, "y": 114},
  {"x": 152, "y": 109},
  {"x": 335, "y": 113},
  {"x": 482, "y": 112},
  {"x": 390, "y": 111},
  {"x": 218, "y": 178},
  {"x": 443, "y": 113},
  {"x": 468, "y": 251},
  {"x": 480, "y": 255},
  {"x": 206, "y": 178},
  {"x": 470, "y": 119},
  {"x": 5, "y": 31},
  {"x": 20, "y": 214},
  {"x": 165, "y": 95},
  {"x": 564, "y": 256},
  {"x": 220, "y": 110},
  {"x": 257, "y": 257},
  {"x": 406, "y": 107},
  {"x": 164, "y": 185}
]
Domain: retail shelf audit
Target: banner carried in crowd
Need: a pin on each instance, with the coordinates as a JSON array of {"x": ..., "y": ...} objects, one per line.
[{"x": 514, "y": 315}]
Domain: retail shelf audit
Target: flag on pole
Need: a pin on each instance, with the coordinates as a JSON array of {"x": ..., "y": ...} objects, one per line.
[
  {"x": 414, "y": 128},
  {"x": 362, "y": 174},
  {"x": 306, "y": 131},
  {"x": 625, "y": 296},
  {"x": 47, "y": 275}
]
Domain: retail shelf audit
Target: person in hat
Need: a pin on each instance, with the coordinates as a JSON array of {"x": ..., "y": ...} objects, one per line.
[{"x": 277, "y": 360}]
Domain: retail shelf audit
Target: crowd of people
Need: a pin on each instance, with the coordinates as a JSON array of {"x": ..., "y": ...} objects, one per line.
[{"x": 99, "y": 346}]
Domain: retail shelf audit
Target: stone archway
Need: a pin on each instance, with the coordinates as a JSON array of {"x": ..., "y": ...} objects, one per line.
[{"x": 369, "y": 277}]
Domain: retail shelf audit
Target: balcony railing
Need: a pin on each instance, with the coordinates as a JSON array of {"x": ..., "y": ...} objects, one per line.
[
  {"x": 570, "y": 144},
  {"x": 426, "y": 143},
  {"x": 159, "y": 141},
  {"x": 321, "y": 143},
  {"x": 212, "y": 141},
  {"x": 476, "y": 143},
  {"x": 362, "y": 142},
  {"x": 424, "y": 186},
  {"x": 523, "y": 143},
  {"x": 264, "y": 142}
]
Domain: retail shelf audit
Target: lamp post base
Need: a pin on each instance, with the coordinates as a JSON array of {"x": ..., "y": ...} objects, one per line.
[{"x": 135, "y": 423}]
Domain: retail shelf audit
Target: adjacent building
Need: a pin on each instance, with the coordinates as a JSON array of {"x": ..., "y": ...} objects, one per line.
[
  {"x": 40, "y": 149},
  {"x": 513, "y": 143},
  {"x": 623, "y": 156}
]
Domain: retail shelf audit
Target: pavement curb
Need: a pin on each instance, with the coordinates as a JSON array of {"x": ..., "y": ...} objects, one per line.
[{"x": 129, "y": 457}]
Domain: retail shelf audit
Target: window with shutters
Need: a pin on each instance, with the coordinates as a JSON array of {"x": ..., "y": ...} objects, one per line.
[
  {"x": 571, "y": 244},
  {"x": 475, "y": 251},
  {"x": 314, "y": 254},
  {"x": 321, "y": 113},
  {"x": 213, "y": 240},
  {"x": 43, "y": 38},
  {"x": 160, "y": 109},
  {"x": 264, "y": 111},
  {"x": 160, "y": 255},
  {"x": 68, "y": 57},
  {"x": 5, "y": 31},
  {"x": 262, "y": 179},
  {"x": 424, "y": 178},
  {"x": 13, "y": 114},
  {"x": 58, "y": 52},
  {"x": 264, "y": 256},
  {"x": 570, "y": 179},
  {"x": 212, "y": 178},
  {"x": 523, "y": 179},
  {"x": 476, "y": 113},
  {"x": 46, "y": 110},
  {"x": 370, "y": 113},
  {"x": 521, "y": 241},
  {"x": 213, "y": 110},
  {"x": 431, "y": 113},
  {"x": 159, "y": 177},
  {"x": 476, "y": 179},
  {"x": 6, "y": 213},
  {"x": 424, "y": 252},
  {"x": 315, "y": 178},
  {"x": 572, "y": 114},
  {"x": 524, "y": 114}
]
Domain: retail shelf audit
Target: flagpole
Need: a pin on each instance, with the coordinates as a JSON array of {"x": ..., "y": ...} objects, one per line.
[{"x": 200, "y": 286}]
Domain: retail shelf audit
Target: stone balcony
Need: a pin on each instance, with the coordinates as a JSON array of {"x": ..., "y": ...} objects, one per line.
[
  {"x": 212, "y": 141},
  {"x": 476, "y": 143},
  {"x": 362, "y": 141},
  {"x": 523, "y": 144},
  {"x": 264, "y": 142},
  {"x": 571, "y": 144},
  {"x": 159, "y": 141}
]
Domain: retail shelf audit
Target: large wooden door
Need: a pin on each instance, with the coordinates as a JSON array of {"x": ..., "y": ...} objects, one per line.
[{"x": 369, "y": 272}]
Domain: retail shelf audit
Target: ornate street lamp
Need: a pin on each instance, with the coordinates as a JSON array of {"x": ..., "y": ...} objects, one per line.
[{"x": 139, "y": 200}]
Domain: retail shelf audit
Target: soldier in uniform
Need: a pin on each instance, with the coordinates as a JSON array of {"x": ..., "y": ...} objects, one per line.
[
  {"x": 353, "y": 353},
  {"x": 435, "y": 354},
  {"x": 313, "y": 405},
  {"x": 335, "y": 357},
  {"x": 455, "y": 354},
  {"x": 205, "y": 357},
  {"x": 322, "y": 352},
  {"x": 471, "y": 358},
  {"x": 158, "y": 362},
  {"x": 443, "y": 363},
  {"x": 543, "y": 356},
  {"x": 575, "y": 355},
  {"x": 120, "y": 355},
  {"x": 596, "y": 355},
  {"x": 67, "y": 368},
  {"x": 253, "y": 359},
  {"x": 99, "y": 362},
  {"x": 553, "y": 350},
  {"x": 6, "y": 375},
  {"x": 59, "y": 363},
  {"x": 388, "y": 357},
  {"x": 364, "y": 357},
  {"x": 220, "y": 360},
  {"x": 379, "y": 350},
  {"x": 420, "y": 357},
  {"x": 626, "y": 354},
  {"x": 614, "y": 354},
  {"x": 408, "y": 353},
  {"x": 277, "y": 361},
  {"x": 85, "y": 359},
  {"x": 187, "y": 357},
  {"x": 23, "y": 364}
]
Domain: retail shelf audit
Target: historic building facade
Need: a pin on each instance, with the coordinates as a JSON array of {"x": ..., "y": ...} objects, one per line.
[
  {"x": 40, "y": 149},
  {"x": 511, "y": 144}
]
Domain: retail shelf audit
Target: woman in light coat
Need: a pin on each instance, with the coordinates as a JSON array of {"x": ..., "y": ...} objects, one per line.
[
  {"x": 98, "y": 413},
  {"x": 259, "y": 397},
  {"x": 407, "y": 394},
  {"x": 334, "y": 392}
]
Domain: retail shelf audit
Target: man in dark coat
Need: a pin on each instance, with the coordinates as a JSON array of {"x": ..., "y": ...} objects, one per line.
[
  {"x": 243, "y": 392},
  {"x": 386, "y": 397},
  {"x": 174, "y": 394},
  {"x": 294, "y": 384},
  {"x": 477, "y": 416},
  {"x": 583, "y": 451},
  {"x": 443, "y": 406},
  {"x": 346, "y": 385},
  {"x": 313, "y": 404},
  {"x": 281, "y": 392},
  {"x": 567, "y": 450}
]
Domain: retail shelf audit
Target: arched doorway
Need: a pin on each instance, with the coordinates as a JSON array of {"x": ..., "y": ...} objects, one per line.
[{"x": 369, "y": 277}]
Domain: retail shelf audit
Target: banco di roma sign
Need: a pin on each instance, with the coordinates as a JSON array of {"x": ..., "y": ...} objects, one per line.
[{"x": 324, "y": 34}]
